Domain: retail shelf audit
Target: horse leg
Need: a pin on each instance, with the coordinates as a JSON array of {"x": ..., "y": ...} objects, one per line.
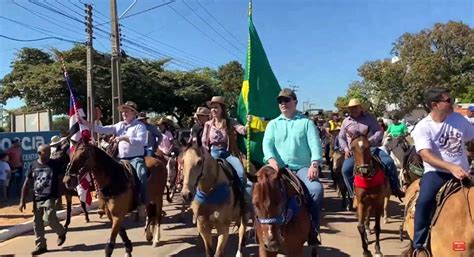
[
  {"x": 183, "y": 212},
  {"x": 223, "y": 232},
  {"x": 386, "y": 200},
  {"x": 126, "y": 242},
  {"x": 378, "y": 253},
  {"x": 205, "y": 232},
  {"x": 242, "y": 237},
  {"x": 158, "y": 217},
  {"x": 68, "y": 210},
  {"x": 116, "y": 226},
  {"x": 84, "y": 208},
  {"x": 361, "y": 216}
]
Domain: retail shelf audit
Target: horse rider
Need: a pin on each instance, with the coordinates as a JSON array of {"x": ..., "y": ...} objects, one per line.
[
  {"x": 131, "y": 136},
  {"x": 470, "y": 114},
  {"x": 166, "y": 125},
  {"x": 201, "y": 116},
  {"x": 439, "y": 139},
  {"x": 359, "y": 122},
  {"x": 153, "y": 135},
  {"x": 219, "y": 137},
  {"x": 397, "y": 128},
  {"x": 332, "y": 128},
  {"x": 292, "y": 141}
]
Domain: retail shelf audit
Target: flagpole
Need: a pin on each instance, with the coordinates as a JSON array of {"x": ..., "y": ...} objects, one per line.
[{"x": 249, "y": 130}]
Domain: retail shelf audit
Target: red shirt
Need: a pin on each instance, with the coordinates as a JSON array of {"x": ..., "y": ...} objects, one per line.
[{"x": 14, "y": 156}]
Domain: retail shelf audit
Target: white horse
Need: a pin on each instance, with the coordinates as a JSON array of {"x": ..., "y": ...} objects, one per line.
[{"x": 396, "y": 148}]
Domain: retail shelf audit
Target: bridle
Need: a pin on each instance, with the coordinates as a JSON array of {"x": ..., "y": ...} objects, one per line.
[{"x": 366, "y": 170}]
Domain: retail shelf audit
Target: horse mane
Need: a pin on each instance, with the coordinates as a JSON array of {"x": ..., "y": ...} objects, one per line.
[
  {"x": 110, "y": 165},
  {"x": 263, "y": 188}
]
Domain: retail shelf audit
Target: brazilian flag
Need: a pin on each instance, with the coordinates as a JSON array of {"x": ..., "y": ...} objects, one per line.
[{"x": 258, "y": 96}]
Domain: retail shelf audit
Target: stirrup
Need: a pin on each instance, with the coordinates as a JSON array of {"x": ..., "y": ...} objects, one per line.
[{"x": 422, "y": 252}]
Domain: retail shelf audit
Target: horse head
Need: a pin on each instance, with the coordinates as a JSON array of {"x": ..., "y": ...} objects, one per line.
[
  {"x": 82, "y": 159},
  {"x": 193, "y": 163},
  {"x": 360, "y": 147},
  {"x": 270, "y": 202}
]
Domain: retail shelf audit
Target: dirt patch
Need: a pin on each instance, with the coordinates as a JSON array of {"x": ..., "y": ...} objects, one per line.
[{"x": 10, "y": 215}]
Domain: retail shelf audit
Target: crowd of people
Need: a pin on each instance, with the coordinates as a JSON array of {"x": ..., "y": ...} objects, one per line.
[{"x": 292, "y": 141}]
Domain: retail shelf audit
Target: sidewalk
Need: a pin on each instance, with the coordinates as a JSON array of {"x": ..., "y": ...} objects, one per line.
[{"x": 14, "y": 223}]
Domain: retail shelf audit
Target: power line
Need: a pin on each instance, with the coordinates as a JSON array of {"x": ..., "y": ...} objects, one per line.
[
  {"x": 154, "y": 55},
  {"x": 95, "y": 10},
  {"x": 217, "y": 32},
  {"x": 140, "y": 12},
  {"x": 204, "y": 33},
  {"x": 42, "y": 31},
  {"x": 55, "y": 11},
  {"x": 40, "y": 39},
  {"x": 188, "y": 55},
  {"x": 70, "y": 9},
  {"x": 41, "y": 16},
  {"x": 217, "y": 21}
]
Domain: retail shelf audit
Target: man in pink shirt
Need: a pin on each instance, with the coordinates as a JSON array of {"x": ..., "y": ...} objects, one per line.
[{"x": 15, "y": 160}]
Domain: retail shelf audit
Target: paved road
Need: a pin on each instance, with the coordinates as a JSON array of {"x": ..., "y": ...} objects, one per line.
[{"x": 339, "y": 235}]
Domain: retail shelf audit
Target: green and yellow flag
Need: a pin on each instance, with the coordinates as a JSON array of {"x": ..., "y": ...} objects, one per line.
[{"x": 258, "y": 96}]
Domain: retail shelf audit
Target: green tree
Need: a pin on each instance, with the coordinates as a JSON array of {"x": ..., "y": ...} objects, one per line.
[{"x": 231, "y": 76}]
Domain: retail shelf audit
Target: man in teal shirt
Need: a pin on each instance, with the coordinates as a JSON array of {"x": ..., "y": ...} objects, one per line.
[
  {"x": 397, "y": 128},
  {"x": 292, "y": 140}
]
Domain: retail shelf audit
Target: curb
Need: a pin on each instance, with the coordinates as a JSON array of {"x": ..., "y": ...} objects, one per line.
[{"x": 16, "y": 230}]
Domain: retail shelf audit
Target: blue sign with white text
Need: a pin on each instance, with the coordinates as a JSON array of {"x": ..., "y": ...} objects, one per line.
[{"x": 29, "y": 143}]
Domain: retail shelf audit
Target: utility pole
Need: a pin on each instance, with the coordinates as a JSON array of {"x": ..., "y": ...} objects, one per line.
[
  {"x": 90, "y": 86},
  {"x": 116, "y": 54}
]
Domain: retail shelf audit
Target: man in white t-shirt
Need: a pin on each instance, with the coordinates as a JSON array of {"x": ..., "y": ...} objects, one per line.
[
  {"x": 439, "y": 139},
  {"x": 470, "y": 114}
]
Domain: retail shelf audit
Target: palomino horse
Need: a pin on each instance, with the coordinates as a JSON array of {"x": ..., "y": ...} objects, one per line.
[
  {"x": 215, "y": 202},
  {"x": 116, "y": 186},
  {"x": 282, "y": 223},
  {"x": 369, "y": 190},
  {"x": 453, "y": 232}
]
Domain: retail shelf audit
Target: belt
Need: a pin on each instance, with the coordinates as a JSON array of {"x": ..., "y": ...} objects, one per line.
[{"x": 130, "y": 158}]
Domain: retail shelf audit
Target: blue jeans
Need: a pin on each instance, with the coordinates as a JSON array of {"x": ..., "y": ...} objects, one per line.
[
  {"x": 140, "y": 168},
  {"x": 316, "y": 194},
  {"x": 390, "y": 170},
  {"x": 149, "y": 152},
  {"x": 425, "y": 207},
  {"x": 221, "y": 153}
]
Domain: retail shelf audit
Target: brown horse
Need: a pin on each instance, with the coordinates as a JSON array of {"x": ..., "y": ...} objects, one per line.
[
  {"x": 115, "y": 184},
  {"x": 453, "y": 232},
  {"x": 214, "y": 201},
  {"x": 369, "y": 189},
  {"x": 282, "y": 222}
]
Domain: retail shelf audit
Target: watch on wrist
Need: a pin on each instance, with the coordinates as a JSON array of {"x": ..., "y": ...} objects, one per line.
[{"x": 315, "y": 164}]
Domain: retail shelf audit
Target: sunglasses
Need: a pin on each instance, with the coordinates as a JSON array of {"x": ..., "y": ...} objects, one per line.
[
  {"x": 284, "y": 100},
  {"x": 449, "y": 100}
]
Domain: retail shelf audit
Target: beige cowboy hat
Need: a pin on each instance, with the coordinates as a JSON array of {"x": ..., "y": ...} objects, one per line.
[
  {"x": 217, "y": 99},
  {"x": 142, "y": 116},
  {"x": 356, "y": 102},
  {"x": 204, "y": 111},
  {"x": 128, "y": 105},
  {"x": 56, "y": 140}
]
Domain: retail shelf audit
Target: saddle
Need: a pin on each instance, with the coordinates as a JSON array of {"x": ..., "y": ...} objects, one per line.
[
  {"x": 231, "y": 174},
  {"x": 295, "y": 183}
]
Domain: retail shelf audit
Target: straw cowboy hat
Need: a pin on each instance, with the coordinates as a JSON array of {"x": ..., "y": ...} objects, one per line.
[
  {"x": 128, "y": 105},
  {"x": 165, "y": 120},
  {"x": 204, "y": 111},
  {"x": 142, "y": 116},
  {"x": 217, "y": 99},
  {"x": 356, "y": 102}
]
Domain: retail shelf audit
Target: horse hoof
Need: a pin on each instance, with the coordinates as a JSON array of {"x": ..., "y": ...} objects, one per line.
[
  {"x": 87, "y": 220},
  {"x": 156, "y": 244},
  {"x": 378, "y": 255},
  {"x": 367, "y": 254},
  {"x": 128, "y": 255},
  {"x": 314, "y": 251},
  {"x": 148, "y": 237},
  {"x": 385, "y": 220},
  {"x": 239, "y": 254}
]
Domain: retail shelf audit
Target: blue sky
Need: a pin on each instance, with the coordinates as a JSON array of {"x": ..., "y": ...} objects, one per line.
[{"x": 315, "y": 45}]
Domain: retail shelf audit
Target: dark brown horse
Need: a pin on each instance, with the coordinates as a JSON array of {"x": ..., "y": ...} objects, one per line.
[
  {"x": 59, "y": 153},
  {"x": 369, "y": 189},
  {"x": 282, "y": 222},
  {"x": 115, "y": 184}
]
